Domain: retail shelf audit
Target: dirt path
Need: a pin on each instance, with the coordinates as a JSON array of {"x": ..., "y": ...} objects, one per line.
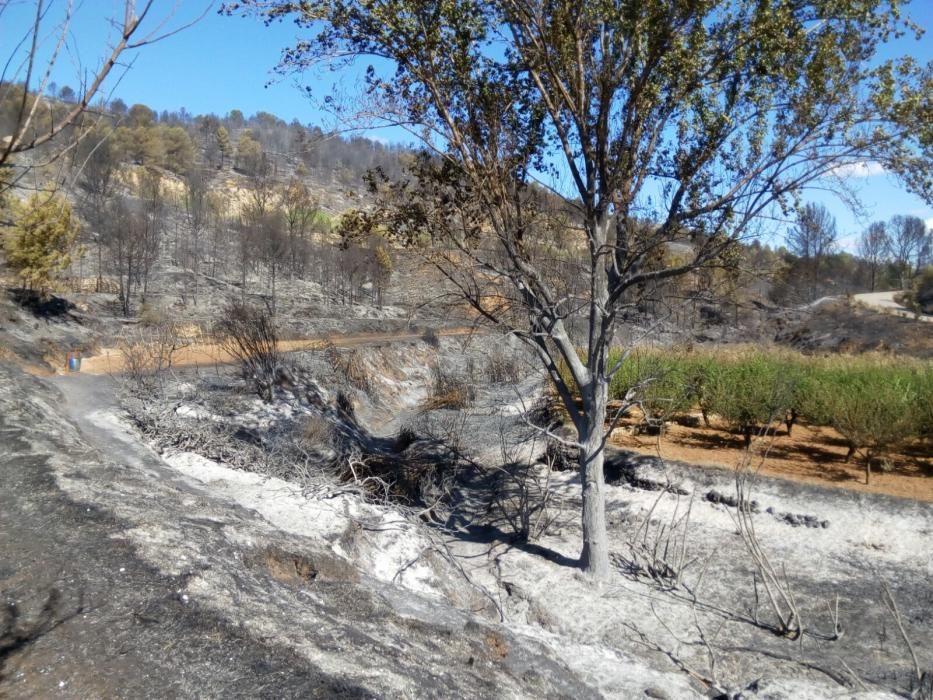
[
  {"x": 110, "y": 360},
  {"x": 884, "y": 301}
]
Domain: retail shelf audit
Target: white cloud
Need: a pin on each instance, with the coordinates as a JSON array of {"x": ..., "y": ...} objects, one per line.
[
  {"x": 865, "y": 168},
  {"x": 929, "y": 223}
]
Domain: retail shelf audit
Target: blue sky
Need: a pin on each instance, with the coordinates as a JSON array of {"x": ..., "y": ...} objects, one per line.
[{"x": 225, "y": 63}]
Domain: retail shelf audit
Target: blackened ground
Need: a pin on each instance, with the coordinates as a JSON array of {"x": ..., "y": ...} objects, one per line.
[{"x": 118, "y": 628}]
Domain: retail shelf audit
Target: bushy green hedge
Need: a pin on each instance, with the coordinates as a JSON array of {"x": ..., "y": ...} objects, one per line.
[
  {"x": 752, "y": 392},
  {"x": 659, "y": 382},
  {"x": 874, "y": 407},
  {"x": 877, "y": 404}
]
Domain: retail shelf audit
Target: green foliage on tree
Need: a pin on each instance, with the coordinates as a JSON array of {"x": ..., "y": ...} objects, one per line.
[
  {"x": 750, "y": 390},
  {"x": 236, "y": 118},
  {"x": 169, "y": 147},
  {"x": 140, "y": 145},
  {"x": 658, "y": 382},
  {"x": 140, "y": 116},
  {"x": 875, "y": 408},
  {"x": 875, "y": 404},
  {"x": 249, "y": 156},
  {"x": 177, "y": 149},
  {"x": 919, "y": 297},
  {"x": 222, "y": 138},
  {"x": 39, "y": 243},
  {"x": 751, "y": 393}
]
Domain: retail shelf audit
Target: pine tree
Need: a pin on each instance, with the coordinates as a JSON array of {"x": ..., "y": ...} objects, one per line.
[
  {"x": 248, "y": 154},
  {"x": 223, "y": 144},
  {"x": 39, "y": 243}
]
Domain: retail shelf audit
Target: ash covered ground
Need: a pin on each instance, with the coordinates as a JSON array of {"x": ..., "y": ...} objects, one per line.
[{"x": 178, "y": 569}]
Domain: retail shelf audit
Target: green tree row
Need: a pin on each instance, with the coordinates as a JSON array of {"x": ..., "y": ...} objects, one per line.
[{"x": 877, "y": 404}]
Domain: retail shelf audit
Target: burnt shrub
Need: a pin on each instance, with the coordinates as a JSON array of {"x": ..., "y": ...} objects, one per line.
[
  {"x": 449, "y": 390},
  {"x": 248, "y": 334},
  {"x": 503, "y": 368}
]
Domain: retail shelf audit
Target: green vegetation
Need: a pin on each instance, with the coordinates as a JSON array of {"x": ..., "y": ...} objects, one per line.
[
  {"x": 748, "y": 391},
  {"x": 877, "y": 404},
  {"x": 919, "y": 297},
  {"x": 875, "y": 407},
  {"x": 752, "y": 392},
  {"x": 660, "y": 383},
  {"x": 40, "y": 241}
]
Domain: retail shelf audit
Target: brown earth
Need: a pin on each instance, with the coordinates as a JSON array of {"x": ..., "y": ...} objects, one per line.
[{"x": 811, "y": 454}]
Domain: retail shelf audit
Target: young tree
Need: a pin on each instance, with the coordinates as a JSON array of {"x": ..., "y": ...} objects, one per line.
[
  {"x": 873, "y": 247},
  {"x": 177, "y": 149},
  {"x": 704, "y": 116},
  {"x": 249, "y": 155},
  {"x": 222, "y": 138},
  {"x": 812, "y": 239},
  {"x": 300, "y": 209},
  {"x": 40, "y": 242}
]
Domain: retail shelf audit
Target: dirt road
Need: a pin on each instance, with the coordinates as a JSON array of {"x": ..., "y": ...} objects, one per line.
[
  {"x": 884, "y": 301},
  {"x": 111, "y": 360}
]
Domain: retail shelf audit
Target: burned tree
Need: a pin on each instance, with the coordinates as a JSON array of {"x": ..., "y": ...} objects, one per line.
[{"x": 247, "y": 333}]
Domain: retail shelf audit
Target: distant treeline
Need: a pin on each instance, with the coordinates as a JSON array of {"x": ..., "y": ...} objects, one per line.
[{"x": 178, "y": 141}]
